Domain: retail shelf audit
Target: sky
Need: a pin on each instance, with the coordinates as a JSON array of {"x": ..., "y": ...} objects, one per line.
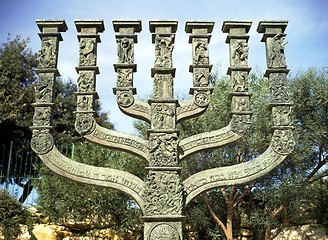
[{"x": 307, "y": 34}]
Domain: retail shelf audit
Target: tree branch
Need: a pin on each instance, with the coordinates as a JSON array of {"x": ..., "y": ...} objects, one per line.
[
  {"x": 276, "y": 212},
  {"x": 216, "y": 219},
  {"x": 317, "y": 168},
  {"x": 245, "y": 192},
  {"x": 224, "y": 194}
]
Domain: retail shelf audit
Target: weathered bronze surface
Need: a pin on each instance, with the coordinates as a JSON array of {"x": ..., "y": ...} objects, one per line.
[{"x": 163, "y": 196}]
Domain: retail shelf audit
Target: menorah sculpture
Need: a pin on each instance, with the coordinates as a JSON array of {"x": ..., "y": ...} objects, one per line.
[{"x": 163, "y": 195}]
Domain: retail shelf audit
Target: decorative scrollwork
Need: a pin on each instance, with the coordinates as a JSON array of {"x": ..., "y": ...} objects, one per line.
[
  {"x": 202, "y": 99},
  {"x": 164, "y": 232},
  {"x": 42, "y": 141},
  {"x": 125, "y": 99},
  {"x": 84, "y": 123}
]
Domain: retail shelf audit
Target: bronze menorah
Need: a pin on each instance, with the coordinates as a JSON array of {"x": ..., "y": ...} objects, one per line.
[{"x": 163, "y": 196}]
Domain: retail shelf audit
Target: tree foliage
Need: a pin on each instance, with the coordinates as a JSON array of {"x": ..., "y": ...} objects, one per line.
[
  {"x": 17, "y": 75},
  {"x": 295, "y": 192},
  {"x": 12, "y": 215}
]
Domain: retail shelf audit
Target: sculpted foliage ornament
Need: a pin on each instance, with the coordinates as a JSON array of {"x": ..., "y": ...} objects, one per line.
[{"x": 163, "y": 195}]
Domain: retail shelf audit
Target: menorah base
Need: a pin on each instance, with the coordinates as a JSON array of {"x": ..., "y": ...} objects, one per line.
[{"x": 163, "y": 228}]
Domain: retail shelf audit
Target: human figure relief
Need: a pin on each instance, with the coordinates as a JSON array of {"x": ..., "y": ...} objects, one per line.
[
  {"x": 125, "y": 50},
  {"x": 87, "y": 52},
  {"x": 240, "y": 53},
  {"x": 276, "y": 54},
  {"x": 201, "y": 53},
  {"x": 163, "y": 51}
]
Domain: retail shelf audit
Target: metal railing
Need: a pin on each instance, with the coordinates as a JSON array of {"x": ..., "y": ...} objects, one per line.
[{"x": 19, "y": 171}]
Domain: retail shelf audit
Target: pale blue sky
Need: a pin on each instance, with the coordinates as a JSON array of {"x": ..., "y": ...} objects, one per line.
[{"x": 307, "y": 34}]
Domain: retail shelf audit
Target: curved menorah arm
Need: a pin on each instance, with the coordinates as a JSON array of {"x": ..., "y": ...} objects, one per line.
[
  {"x": 133, "y": 107},
  {"x": 240, "y": 173},
  {"x": 209, "y": 140},
  {"x": 118, "y": 140},
  {"x": 195, "y": 106},
  {"x": 98, "y": 176}
]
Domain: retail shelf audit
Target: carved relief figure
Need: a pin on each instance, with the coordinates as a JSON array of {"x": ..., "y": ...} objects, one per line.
[
  {"x": 163, "y": 148},
  {"x": 88, "y": 52},
  {"x": 281, "y": 115},
  {"x": 85, "y": 82},
  {"x": 240, "y": 123},
  {"x": 278, "y": 87},
  {"x": 201, "y": 53},
  {"x": 201, "y": 78},
  {"x": 240, "y": 82},
  {"x": 43, "y": 90},
  {"x": 283, "y": 141},
  {"x": 163, "y": 116},
  {"x": 48, "y": 53},
  {"x": 84, "y": 103},
  {"x": 240, "y": 53},
  {"x": 84, "y": 123},
  {"x": 42, "y": 141},
  {"x": 163, "y": 193},
  {"x": 240, "y": 104},
  {"x": 125, "y": 50},
  {"x": 276, "y": 51},
  {"x": 124, "y": 77},
  {"x": 202, "y": 99},
  {"x": 42, "y": 116},
  {"x": 163, "y": 51},
  {"x": 163, "y": 86}
]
